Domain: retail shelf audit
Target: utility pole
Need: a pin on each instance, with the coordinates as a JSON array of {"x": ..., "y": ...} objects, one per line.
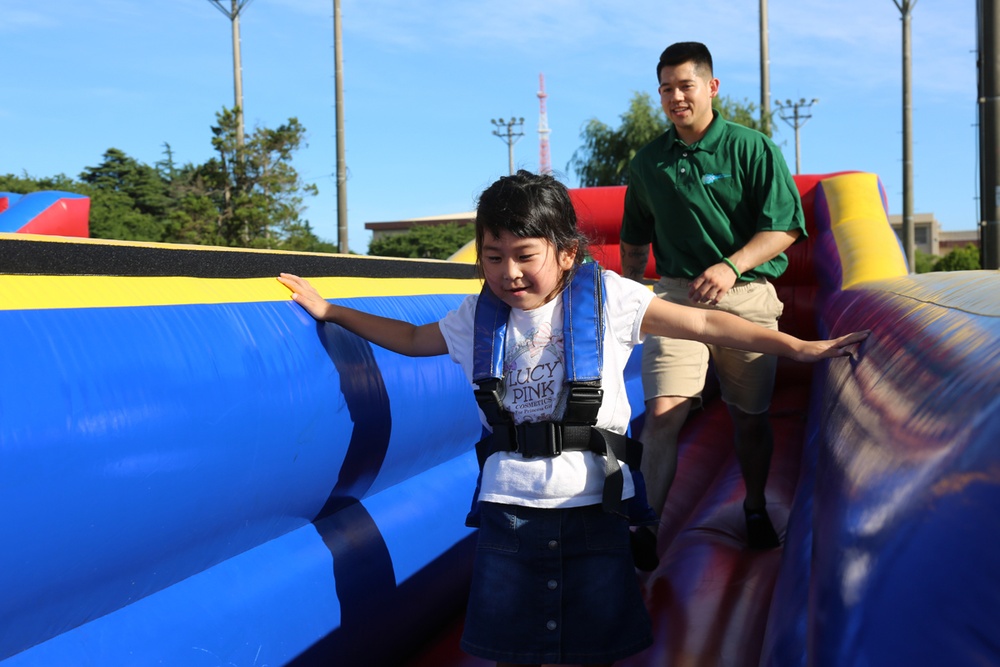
[
  {"x": 233, "y": 14},
  {"x": 988, "y": 19},
  {"x": 796, "y": 114},
  {"x": 509, "y": 136},
  {"x": 765, "y": 73},
  {"x": 338, "y": 67},
  {"x": 905, "y": 6}
]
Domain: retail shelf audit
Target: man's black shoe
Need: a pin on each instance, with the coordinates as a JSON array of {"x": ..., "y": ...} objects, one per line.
[{"x": 760, "y": 532}]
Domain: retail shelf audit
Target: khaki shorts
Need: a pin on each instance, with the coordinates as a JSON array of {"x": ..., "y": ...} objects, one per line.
[{"x": 677, "y": 367}]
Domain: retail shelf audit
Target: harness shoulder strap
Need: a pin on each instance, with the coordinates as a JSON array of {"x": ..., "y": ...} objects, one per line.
[
  {"x": 489, "y": 331},
  {"x": 583, "y": 324}
]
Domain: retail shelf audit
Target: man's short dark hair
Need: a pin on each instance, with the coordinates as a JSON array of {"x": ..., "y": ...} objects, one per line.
[{"x": 685, "y": 52}]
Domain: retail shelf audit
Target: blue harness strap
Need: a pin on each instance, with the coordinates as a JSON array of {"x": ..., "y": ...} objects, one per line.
[
  {"x": 583, "y": 328},
  {"x": 583, "y": 336},
  {"x": 583, "y": 324},
  {"x": 488, "y": 336}
]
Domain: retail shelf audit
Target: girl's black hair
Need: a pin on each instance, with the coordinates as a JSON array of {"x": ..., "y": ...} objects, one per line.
[{"x": 529, "y": 206}]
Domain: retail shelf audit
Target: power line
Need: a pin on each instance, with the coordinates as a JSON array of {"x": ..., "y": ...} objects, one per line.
[{"x": 796, "y": 114}]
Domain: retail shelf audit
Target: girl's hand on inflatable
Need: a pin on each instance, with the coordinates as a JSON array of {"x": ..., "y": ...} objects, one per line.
[
  {"x": 306, "y": 296},
  {"x": 843, "y": 346}
]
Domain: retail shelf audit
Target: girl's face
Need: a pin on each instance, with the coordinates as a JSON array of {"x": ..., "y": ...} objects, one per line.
[{"x": 524, "y": 272}]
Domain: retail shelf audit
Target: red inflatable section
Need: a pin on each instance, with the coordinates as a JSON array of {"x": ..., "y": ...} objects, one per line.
[
  {"x": 47, "y": 212},
  {"x": 599, "y": 215}
]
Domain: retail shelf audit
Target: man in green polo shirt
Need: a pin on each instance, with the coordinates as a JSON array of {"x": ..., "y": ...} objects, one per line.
[{"x": 719, "y": 207}]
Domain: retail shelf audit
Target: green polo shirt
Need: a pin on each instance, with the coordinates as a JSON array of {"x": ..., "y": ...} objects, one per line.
[{"x": 697, "y": 204}]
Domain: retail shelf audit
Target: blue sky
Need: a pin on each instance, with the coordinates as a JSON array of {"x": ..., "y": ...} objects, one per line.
[{"x": 422, "y": 80}]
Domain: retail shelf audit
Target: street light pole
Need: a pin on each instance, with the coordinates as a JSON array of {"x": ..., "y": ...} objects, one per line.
[
  {"x": 509, "y": 135},
  {"x": 233, "y": 14},
  {"x": 909, "y": 243},
  {"x": 796, "y": 114},
  {"x": 765, "y": 73}
]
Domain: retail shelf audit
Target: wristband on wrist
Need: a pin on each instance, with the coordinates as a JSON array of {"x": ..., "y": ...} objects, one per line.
[{"x": 728, "y": 262}]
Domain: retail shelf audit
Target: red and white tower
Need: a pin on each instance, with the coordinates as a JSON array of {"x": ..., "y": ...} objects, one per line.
[{"x": 544, "y": 161}]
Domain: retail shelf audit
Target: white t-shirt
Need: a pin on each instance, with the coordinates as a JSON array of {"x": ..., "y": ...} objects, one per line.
[{"x": 534, "y": 368}]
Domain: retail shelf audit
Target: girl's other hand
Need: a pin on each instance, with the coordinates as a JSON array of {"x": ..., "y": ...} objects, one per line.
[{"x": 306, "y": 296}]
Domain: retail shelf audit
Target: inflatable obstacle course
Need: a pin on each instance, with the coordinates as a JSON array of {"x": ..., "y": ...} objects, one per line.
[{"x": 195, "y": 472}]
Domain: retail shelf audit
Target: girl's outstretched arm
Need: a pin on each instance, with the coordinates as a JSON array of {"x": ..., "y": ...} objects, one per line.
[
  {"x": 413, "y": 340},
  {"x": 664, "y": 318}
]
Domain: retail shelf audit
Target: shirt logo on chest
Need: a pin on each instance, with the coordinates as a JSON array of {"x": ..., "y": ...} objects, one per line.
[
  {"x": 533, "y": 371},
  {"x": 708, "y": 179}
]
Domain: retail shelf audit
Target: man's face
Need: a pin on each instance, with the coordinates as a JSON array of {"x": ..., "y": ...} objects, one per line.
[{"x": 686, "y": 95}]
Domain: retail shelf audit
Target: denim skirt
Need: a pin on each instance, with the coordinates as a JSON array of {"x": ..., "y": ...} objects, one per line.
[{"x": 554, "y": 586}]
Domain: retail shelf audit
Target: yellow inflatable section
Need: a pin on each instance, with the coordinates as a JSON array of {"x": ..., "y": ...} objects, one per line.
[{"x": 860, "y": 226}]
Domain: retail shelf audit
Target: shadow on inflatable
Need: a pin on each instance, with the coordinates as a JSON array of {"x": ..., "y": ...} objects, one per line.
[{"x": 193, "y": 472}]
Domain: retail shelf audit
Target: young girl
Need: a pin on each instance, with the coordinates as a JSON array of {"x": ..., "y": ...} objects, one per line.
[{"x": 553, "y": 579}]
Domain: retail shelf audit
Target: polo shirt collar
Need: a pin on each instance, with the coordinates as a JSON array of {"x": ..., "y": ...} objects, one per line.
[{"x": 709, "y": 143}]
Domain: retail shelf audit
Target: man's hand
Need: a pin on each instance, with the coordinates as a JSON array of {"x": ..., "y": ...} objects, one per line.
[
  {"x": 713, "y": 284},
  {"x": 719, "y": 278}
]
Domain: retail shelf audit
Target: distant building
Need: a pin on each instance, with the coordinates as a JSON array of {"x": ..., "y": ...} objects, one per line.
[
  {"x": 952, "y": 240},
  {"x": 381, "y": 230},
  {"x": 927, "y": 233},
  {"x": 928, "y": 236}
]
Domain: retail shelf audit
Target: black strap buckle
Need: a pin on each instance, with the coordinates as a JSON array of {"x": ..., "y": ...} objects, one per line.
[
  {"x": 538, "y": 439},
  {"x": 583, "y": 403},
  {"x": 489, "y": 396}
]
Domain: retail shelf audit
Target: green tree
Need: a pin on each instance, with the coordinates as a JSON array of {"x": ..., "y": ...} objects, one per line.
[
  {"x": 248, "y": 198},
  {"x": 606, "y": 152},
  {"x": 166, "y": 167},
  {"x": 258, "y": 193},
  {"x": 26, "y": 184},
  {"x": 139, "y": 182},
  {"x": 194, "y": 217},
  {"x": 128, "y": 200},
  {"x": 924, "y": 261},
  {"x": 744, "y": 113},
  {"x": 424, "y": 241},
  {"x": 605, "y": 155},
  {"x": 301, "y": 238},
  {"x": 960, "y": 259}
]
